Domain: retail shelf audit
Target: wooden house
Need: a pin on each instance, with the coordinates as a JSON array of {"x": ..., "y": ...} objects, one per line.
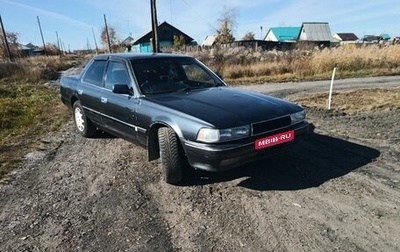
[{"x": 166, "y": 34}]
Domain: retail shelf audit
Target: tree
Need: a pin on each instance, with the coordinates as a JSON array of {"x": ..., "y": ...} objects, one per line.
[
  {"x": 52, "y": 49},
  {"x": 226, "y": 24},
  {"x": 179, "y": 41},
  {"x": 112, "y": 35},
  {"x": 249, "y": 36},
  {"x": 12, "y": 39}
]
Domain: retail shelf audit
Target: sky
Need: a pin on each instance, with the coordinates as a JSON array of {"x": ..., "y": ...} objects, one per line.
[{"x": 77, "y": 23}]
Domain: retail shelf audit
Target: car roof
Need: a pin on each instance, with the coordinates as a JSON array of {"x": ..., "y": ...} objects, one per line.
[{"x": 132, "y": 56}]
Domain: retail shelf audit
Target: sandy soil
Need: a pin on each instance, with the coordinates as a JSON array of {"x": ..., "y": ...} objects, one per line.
[{"x": 336, "y": 190}]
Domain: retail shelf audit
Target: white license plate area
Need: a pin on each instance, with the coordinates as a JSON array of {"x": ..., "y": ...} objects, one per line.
[{"x": 274, "y": 140}]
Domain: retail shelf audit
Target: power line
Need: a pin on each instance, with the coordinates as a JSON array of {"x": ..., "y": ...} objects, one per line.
[{"x": 201, "y": 17}]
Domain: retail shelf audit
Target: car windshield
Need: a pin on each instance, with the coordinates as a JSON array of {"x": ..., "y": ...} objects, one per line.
[{"x": 169, "y": 74}]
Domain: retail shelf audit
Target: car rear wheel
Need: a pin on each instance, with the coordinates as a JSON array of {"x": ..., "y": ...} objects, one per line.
[
  {"x": 171, "y": 155},
  {"x": 83, "y": 124}
]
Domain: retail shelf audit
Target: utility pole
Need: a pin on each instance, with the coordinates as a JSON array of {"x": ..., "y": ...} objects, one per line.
[
  {"x": 58, "y": 44},
  {"x": 108, "y": 36},
  {"x": 41, "y": 34},
  {"x": 154, "y": 25},
  {"x": 5, "y": 41},
  {"x": 95, "y": 43}
]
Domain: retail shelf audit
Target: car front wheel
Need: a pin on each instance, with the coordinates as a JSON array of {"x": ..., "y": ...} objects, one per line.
[
  {"x": 83, "y": 124},
  {"x": 171, "y": 155}
]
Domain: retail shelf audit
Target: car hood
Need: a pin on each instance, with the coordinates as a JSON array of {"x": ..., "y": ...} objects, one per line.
[{"x": 226, "y": 106}]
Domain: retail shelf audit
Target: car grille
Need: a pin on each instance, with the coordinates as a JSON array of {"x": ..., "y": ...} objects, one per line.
[{"x": 270, "y": 125}]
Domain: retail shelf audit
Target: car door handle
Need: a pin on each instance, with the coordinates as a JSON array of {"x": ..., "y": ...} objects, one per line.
[{"x": 103, "y": 100}]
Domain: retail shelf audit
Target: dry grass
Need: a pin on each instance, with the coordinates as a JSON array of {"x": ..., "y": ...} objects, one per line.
[
  {"x": 351, "y": 102},
  {"x": 241, "y": 65}
]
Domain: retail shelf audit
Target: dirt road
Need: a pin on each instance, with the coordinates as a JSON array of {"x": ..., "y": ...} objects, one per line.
[{"x": 337, "y": 190}]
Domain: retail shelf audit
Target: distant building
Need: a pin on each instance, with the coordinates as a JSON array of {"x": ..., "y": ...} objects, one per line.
[
  {"x": 345, "y": 38},
  {"x": 282, "y": 34},
  {"x": 385, "y": 37},
  {"x": 371, "y": 39},
  {"x": 166, "y": 33},
  {"x": 127, "y": 41},
  {"x": 31, "y": 50},
  {"x": 24, "y": 50},
  {"x": 209, "y": 41},
  {"x": 318, "y": 33},
  {"x": 396, "y": 40}
]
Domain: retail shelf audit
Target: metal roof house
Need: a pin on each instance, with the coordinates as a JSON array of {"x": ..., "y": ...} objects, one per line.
[
  {"x": 345, "y": 38},
  {"x": 385, "y": 36},
  {"x": 316, "y": 32},
  {"x": 128, "y": 40},
  {"x": 209, "y": 41},
  {"x": 371, "y": 39},
  {"x": 282, "y": 34},
  {"x": 165, "y": 32}
]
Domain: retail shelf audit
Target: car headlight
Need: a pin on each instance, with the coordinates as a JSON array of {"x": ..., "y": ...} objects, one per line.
[
  {"x": 298, "y": 117},
  {"x": 209, "y": 135}
]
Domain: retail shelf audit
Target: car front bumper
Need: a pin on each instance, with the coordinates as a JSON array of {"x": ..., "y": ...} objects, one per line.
[{"x": 221, "y": 157}]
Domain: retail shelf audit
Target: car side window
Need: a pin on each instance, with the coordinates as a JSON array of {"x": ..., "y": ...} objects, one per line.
[
  {"x": 116, "y": 74},
  {"x": 94, "y": 74}
]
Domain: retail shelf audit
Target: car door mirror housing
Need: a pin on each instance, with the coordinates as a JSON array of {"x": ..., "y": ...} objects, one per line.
[{"x": 122, "y": 89}]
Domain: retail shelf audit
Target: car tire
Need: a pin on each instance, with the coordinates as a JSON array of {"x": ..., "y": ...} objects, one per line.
[
  {"x": 171, "y": 155},
  {"x": 83, "y": 124}
]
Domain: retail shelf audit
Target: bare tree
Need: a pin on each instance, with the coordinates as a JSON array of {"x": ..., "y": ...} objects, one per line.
[
  {"x": 52, "y": 49},
  {"x": 12, "y": 39},
  {"x": 227, "y": 23},
  {"x": 112, "y": 36}
]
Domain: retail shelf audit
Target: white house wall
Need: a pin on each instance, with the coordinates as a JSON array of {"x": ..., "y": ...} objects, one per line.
[{"x": 271, "y": 37}]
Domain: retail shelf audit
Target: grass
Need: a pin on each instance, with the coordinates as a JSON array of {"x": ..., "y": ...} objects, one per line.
[
  {"x": 353, "y": 102},
  {"x": 28, "y": 109},
  {"x": 242, "y": 65}
]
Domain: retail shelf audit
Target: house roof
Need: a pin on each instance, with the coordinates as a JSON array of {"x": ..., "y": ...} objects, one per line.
[
  {"x": 347, "y": 36},
  {"x": 166, "y": 32},
  {"x": 128, "y": 40},
  {"x": 284, "y": 33},
  {"x": 371, "y": 38},
  {"x": 31, "y": 46},
  {"x": 385, "y": 36},
  {"x": 209, "y": 40},
  {"x": 315, "y": 31},
  {"x": 23, "y": 47}
]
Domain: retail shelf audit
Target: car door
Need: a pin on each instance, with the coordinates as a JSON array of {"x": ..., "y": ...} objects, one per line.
[
  {"x": 118, "y": 109},
  {"x": 89, "y": 89}
]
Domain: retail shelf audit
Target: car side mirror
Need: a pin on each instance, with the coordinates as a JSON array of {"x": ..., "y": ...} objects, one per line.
[{"x": 122, "y": 89}]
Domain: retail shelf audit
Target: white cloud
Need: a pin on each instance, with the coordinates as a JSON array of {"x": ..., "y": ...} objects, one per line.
[{"x": 54, "y": 15}]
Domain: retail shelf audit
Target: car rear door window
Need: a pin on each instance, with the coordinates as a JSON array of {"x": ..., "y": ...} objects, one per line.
[{"x": 94, "y": 74}]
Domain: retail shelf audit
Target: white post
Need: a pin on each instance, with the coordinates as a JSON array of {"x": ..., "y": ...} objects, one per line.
[{"x": 330, "y": 90}]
